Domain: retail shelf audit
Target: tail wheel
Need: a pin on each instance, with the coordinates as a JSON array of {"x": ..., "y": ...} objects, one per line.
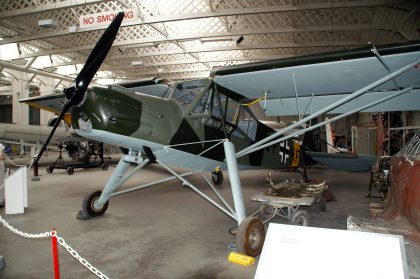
[
  {"x": 70, "y": 170},
  {"x": 50, "y": 169},
  {"x": 217, "y": 177},
  {"x": 250, "y": 236},
  {"x": 89, "y": 204},
  {"x": 300, "y": 218},
  {"x": 104, "y": 166}
]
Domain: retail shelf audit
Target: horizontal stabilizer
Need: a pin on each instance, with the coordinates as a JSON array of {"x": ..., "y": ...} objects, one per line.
[{"x": 345, "y": 162}]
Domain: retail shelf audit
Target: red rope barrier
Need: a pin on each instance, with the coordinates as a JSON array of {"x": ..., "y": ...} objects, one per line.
[{"x": 55, "y": 254}]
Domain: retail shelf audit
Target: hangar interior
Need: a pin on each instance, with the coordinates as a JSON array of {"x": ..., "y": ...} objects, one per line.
[{"x": 168, "y": 231}]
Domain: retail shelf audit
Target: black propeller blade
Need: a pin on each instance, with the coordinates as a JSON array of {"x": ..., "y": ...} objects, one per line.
[{"x": 76, "y": 93}]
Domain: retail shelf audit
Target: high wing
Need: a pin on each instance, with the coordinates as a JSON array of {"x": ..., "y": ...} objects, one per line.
[
  {"x": 345, "y": 82},
  {"x": 298, "y": 85}
]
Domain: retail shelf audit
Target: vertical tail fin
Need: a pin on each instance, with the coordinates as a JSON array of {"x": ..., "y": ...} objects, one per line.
[{"x": 311, "y": 142}]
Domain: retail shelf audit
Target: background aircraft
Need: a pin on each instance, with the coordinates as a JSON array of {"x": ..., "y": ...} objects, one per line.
[{"x": 198, "y": 124}]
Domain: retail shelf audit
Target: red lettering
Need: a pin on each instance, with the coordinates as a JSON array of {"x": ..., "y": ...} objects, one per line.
[
  {"x": 102, "y": 18},
  {"x": 128, "y": 14},
  {"x": 88, "y": 20}
]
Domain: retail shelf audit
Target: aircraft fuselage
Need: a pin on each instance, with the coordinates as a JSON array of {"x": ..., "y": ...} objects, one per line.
[{"x": 121, "y": 111}]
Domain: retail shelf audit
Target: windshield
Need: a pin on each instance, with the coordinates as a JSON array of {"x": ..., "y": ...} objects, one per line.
[{"x": 187, "y": 92}]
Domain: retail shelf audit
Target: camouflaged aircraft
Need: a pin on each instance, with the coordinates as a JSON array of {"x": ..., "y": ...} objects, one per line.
[{"x": 198, "y": 124}]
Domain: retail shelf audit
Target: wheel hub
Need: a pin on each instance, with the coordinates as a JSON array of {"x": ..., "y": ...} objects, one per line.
[{"x": 96, "y": 205}]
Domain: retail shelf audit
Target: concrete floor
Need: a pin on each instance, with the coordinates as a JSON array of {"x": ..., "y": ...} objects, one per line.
[{"x": 165, "y": 231}]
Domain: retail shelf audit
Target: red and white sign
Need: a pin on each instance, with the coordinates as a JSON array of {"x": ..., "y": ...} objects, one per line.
[{"x": 105, "y": 18}]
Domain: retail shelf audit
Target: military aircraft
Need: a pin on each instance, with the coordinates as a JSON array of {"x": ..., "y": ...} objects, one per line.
[{"x": 198, "y": 125}]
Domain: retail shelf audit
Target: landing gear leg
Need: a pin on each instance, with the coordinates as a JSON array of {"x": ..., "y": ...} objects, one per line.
[
  {"x": 96, "y": 203},
  {"x": 251, "y": 233}
]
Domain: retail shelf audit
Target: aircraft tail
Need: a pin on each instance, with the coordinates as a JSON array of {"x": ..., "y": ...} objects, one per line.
[
  {"x": 311, "y": 142},
  {"x": 311, "y": 145}
]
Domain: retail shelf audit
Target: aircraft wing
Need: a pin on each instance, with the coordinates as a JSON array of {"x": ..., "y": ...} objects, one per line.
[
  {"x": 53, "y": 103},
  {"x": 166, "y": 154},
  {"x": 31, "y": 135},
  {"x": 322, "y": 78}
]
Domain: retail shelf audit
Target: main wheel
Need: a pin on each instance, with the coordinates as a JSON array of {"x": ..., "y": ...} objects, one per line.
[
  {"x": 89, "y": 204},
  {"x": 50, "y": 169},
  {"x": 70, "y": 170},
  {"x": 300, "y": 218},
  {"x": 250, "y": 237},
  {"x": 217, "y": 177}
]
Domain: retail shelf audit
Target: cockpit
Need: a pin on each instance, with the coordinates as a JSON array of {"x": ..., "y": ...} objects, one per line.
[{"x": 201, "y": 100}]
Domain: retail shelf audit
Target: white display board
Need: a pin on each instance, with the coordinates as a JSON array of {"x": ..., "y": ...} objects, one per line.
[
  {"x": 16, "y": 192},
  {"x": 306, "y": 252}
]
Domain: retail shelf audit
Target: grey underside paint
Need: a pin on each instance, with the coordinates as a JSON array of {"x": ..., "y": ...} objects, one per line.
[
  {"x": 345, "y": 162},
  {"x": 336, "y": 77},
  {"x": 307, "y": 105},
  {"x": 165, "y": 154}
]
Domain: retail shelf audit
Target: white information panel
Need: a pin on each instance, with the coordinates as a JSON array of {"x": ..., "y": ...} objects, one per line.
[
  {"x": 306, "y": 252},
  {"x": 16, "y": 192}
]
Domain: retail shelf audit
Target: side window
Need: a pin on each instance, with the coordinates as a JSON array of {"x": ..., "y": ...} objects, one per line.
[
  {"x": 204, "y": 106},
  {"x": 247, "y": 124}
]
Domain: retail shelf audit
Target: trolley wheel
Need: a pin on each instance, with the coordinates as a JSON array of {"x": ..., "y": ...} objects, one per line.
[
  {"x": 300, "y": 218},
  {"x": 88, "y": 204},
  {"x": 104, "y": 166},
  {"x": 50, "y": 169},
  {"x": 250, "y": 236},
  {"x": 70, "y": 170},
  {"x": 266, "y": 211},
  {"x": 217, "y": 177},
  {"x": 322, "y": 202}
]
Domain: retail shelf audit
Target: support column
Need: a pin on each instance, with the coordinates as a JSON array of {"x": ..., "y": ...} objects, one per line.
[{"x": 235, "y": 182}]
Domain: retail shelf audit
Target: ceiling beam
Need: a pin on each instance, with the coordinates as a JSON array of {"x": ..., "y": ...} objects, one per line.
[
  {"x": 12, "y": 66},
  {"x": 186, "y": 37},
  {"x": 46, "y": 8},
  {"x": 222, "y": 48},
  {"x": 199, "y": 15},
  {"x": 177, "y": 62}
]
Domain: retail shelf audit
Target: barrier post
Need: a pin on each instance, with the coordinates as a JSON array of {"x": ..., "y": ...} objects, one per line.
[{"x": 55, "y": 254}]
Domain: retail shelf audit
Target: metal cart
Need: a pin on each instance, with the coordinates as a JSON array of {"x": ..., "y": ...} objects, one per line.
[
  {"x": 288, "y": 208},
  {"x": 97, "y": 162}
]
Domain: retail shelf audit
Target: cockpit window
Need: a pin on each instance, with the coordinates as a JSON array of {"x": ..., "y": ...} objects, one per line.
[
  {"x": 186, "y": 92},
  {"x": 236, "y": 117}
]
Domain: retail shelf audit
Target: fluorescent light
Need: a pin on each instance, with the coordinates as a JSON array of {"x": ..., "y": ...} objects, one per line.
[
  {"x": 136, "y": 63},
  {"x": 72, "y": 29},
  {"x": 47, "y": 23},
  {"x": 216, "y": 39}
]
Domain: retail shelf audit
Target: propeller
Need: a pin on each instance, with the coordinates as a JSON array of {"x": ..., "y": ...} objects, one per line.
[{"x": 75, "y": 94}]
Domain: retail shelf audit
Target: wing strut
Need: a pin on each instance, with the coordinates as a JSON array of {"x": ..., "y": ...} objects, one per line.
[
  {"x": 299, "y": 132},
  {"x": 260, "y": 145}
]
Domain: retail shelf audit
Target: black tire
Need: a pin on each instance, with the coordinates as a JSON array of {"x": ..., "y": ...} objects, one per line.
[
  {"x": 250, "y": 237},
  {"x": 70, "y": 170},
  {"x": 50, "y": 169},
  {"x": 104, "y": 166},
  {"x": 217, "y": 177},
  {"x": 322, "y": 202},
  {"x": 300, "y": 218},
  {"x": 88, "y": 204},
  {"x": 266, "y": 211}
]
